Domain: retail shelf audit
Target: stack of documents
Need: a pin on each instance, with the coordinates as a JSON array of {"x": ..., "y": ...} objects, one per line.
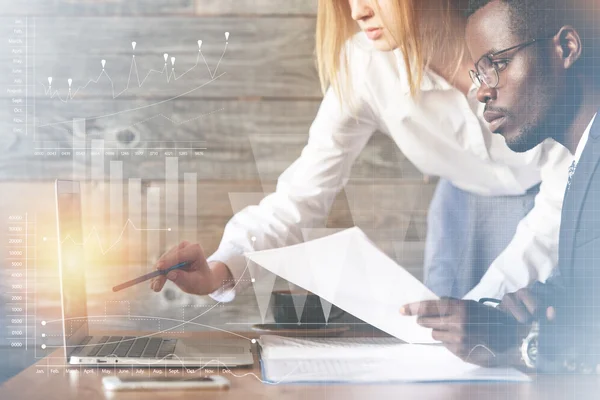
[
  {"x": 368, "y": 360},
  {"x": 348, "y": 270}
]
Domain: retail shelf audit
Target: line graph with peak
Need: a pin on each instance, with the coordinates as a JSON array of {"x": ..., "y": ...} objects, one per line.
[
  {"x": 137, "y": 104},
  {"x": 168, "y": 73}
]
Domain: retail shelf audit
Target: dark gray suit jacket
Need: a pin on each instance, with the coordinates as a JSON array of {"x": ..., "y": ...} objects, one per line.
[{"x": 572, "y": 342}]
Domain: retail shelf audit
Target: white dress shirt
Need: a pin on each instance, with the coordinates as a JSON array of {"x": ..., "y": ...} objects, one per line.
[
  {"x": 583, "y": 140},
  {"x": 442, "y": 133},
  {"x": 580, "y": 146}
]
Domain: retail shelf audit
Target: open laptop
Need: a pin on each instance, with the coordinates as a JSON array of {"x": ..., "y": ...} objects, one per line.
[{"x": 84, "y": 348}]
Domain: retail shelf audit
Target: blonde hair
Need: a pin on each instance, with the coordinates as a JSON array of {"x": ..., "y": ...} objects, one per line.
[{"x": 420, "y": 28}]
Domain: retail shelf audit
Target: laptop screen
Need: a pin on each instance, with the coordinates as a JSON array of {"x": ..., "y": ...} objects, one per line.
[{"x": 71, "y": 263}]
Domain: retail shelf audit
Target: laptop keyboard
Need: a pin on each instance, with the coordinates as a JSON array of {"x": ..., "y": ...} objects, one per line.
[{"x": 130, "y": 347}]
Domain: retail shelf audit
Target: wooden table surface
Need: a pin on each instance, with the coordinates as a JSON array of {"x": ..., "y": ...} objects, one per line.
[{"x": 49, "y": 379}]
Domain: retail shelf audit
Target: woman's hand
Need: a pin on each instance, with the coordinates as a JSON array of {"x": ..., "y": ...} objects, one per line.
[{"x": 198, "y": 278}]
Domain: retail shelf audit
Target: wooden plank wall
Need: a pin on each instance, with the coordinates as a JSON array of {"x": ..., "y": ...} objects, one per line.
[{"x": 253, "y": 119}]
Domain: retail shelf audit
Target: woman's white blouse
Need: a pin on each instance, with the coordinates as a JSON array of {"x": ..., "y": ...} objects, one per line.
[{"x": 442, "y": 133}]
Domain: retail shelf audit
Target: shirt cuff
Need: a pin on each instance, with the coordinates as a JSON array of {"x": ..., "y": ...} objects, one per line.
[
  {"x": 491, "y": 285},
  {"x": 237, "y": 265}
]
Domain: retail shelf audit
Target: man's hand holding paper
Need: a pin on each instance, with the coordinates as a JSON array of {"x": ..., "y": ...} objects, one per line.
[{"x": 475, "y": 332}]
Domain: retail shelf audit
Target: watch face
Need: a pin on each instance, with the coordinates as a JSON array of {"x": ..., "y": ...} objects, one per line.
[{"x": 532, "y": 349}]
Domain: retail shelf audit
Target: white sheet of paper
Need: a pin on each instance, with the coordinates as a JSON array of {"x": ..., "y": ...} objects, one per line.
[{"x": 348, "y": 270}]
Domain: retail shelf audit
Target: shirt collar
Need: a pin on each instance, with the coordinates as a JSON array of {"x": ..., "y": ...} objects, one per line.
[
  {"x": 430, "y": 79},
  {"x": 584, "y": 139}
]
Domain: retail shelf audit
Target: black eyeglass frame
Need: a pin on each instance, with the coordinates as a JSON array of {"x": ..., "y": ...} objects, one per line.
[{"x": 476, "y": 76}]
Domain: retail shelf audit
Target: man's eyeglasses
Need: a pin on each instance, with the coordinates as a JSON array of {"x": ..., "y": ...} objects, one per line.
[{"x": 488, "y": 69}]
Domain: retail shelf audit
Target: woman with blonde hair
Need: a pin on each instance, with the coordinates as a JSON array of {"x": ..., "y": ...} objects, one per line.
[{"x": 400, "y": 67}]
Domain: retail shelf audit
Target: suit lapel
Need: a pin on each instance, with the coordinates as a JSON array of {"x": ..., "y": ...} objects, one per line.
[{"x": 575, "y": 195}]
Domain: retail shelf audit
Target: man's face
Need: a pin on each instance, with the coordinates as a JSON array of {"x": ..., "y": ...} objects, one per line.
[{"x": 520, "y": 106}]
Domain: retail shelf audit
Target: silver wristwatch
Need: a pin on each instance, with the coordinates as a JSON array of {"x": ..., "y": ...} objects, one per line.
[{"x": 529, "y": 346}]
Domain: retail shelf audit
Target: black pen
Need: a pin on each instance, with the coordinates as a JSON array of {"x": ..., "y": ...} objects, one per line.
[{"x": 151, "y": 275}]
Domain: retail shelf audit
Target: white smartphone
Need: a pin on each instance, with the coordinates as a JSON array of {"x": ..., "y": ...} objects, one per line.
[{"x": 115, "y": 383}]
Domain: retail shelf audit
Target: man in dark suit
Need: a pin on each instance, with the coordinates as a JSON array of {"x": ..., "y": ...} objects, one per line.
[{"x": 535, "y": 72}]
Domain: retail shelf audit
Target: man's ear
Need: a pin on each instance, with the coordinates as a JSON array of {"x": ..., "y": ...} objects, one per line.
[{"x": 568, "y": 46}]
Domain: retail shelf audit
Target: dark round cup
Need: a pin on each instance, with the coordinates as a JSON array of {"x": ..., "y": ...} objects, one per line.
[{"x": 312, "y": 316}]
